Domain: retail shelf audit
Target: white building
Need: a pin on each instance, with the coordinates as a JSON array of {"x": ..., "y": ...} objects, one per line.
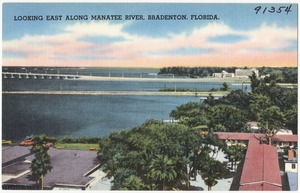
[
  {"x": 223, "y": 74},
  {"x": 291, "y": 164},
  {"x": 246, "y": 72}
]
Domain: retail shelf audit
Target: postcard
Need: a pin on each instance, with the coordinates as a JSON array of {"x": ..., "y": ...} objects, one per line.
[{"x": 149, "y": 96}]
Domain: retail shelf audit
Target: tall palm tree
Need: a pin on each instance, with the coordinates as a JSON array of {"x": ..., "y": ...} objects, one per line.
[
  {"x": 41, "y": 164},
  {"x": 162, "y": 169}
]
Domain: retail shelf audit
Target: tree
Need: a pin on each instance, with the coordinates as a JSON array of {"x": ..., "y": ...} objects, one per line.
[
  {"x": 41, "y": 164},
  {"x": 133, "y": 183},
  {"x": 227, "y": 118},
  {"x": 291, "y": 117},
  {"x": 212, "y": 171},
  {"x": 210, "y": 100},
  {"x": 237, "y": 98},
  {"x": 271, "y": 120},
  {"x": 234, "y": 153},
  {"x": 191, "y": 114},
  {"x": 258, "y": 103},
  {"x": 255, "y": 82},
  {"x": 161, "y": 155},
  {"x": 225, "y": 87},
  {"x": 162, "y": 169}
]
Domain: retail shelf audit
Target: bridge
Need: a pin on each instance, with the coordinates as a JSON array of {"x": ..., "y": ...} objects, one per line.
[{"x": 38, "y": 76}]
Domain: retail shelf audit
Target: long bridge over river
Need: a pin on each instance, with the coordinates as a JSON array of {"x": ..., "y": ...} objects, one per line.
[{"x": 38, "y": 75}]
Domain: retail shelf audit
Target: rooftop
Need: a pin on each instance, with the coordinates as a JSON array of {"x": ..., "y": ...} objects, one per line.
[
  {"x": 70, "y": 167},
  {"x": 261, "y": 168},
  {"x": 11, "y": 153},
  {"x": 249, "y": 136}
]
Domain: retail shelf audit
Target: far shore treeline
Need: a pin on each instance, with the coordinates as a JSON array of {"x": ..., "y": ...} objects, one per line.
[{"x": 280, "y": 74}]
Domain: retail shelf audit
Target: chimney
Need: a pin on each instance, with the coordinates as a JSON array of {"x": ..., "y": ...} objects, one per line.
[{"x": 290, "y": 154}]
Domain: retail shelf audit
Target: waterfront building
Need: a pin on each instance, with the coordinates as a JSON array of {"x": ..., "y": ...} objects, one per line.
[
  {"x": 246, "y": 72},
  {"x": 223, "y": 74}
]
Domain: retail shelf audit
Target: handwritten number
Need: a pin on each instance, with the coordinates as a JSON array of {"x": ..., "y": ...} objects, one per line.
[
  {"x": 279, "y": 9},
  {"x": 257, "y": 9},
  {"x": 264, "y": 10},
  {"x": 288, "y": 9},
  {"x": 273, "y": 9}
]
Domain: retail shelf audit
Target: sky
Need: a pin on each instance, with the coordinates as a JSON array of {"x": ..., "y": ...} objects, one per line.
[{"x": 239, "y": 37}]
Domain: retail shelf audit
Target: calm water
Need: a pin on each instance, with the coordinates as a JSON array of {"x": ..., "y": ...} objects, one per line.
[
  {"x": 79, "y": 115},
  {"x": 85, "y": 115}
]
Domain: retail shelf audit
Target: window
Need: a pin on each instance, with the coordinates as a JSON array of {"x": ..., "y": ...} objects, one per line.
[{"x": 293, "y": 166}]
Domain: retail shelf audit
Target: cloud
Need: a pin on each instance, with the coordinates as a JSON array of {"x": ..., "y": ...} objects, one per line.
[{"x": 108, "y": 44}]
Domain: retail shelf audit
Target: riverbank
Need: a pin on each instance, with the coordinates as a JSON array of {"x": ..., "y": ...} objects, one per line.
[
  {"x": 151, "y": 93},
  {"x": 102, "y": 78}
]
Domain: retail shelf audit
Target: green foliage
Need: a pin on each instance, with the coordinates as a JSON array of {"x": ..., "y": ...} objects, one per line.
[
  {"x": 228, "y": 117},
  {"x": 258, "y": 103},
  {"x": 271, "y": 119},
  {"x": 234, "y": 153},
  {"x": 191, "y": 114},
  {"x": 282, "y": 75},
  {"x": 237, "y": 98},
  {"x": 77, "y": 146},
  {"x": 213, "y": 171},
  {"x": 254, "y": 81},
  {"x": 195, "y": 71},
  {"x": 291, "y": 119},
  {"x": 133, "y": 183},
  {"x": 87, "y": 140},
  {"x": 41, "y": 164},
  {"x": 162, "y": 169},
  {"x": 225, "y": 87},
  {"x": 284, "y": 98},
  {"x": 161, "y": 155}
]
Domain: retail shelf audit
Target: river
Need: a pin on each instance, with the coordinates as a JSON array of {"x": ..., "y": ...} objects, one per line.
[{"x": 86, "y": 115}]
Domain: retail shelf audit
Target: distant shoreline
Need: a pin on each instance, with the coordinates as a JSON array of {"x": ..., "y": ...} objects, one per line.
[
  {"x": 101, "y": 78},
  {"x": 140, "y": 93}
]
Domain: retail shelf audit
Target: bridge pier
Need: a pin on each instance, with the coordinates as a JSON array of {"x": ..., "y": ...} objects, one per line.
[{"x": 30, "y": 75}]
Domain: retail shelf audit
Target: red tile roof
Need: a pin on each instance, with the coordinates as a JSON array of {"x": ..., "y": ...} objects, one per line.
[
  {"x": 261, "y": 168},
  {"x": 248, "y": 136},
  {"x": 260, "y": 187}
]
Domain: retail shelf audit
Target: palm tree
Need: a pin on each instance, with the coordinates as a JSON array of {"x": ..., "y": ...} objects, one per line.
[
  {"x": 41, "y": 164},
  {"x": 133, "y": 183},
  {"x": 163, "y": 169}
]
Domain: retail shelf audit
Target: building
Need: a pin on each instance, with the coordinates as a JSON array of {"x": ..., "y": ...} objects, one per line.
[
  {"x": 243, "y": 138},
  {"x": 72, "y": 169},
  {"x": 260, "y": 170},
  {"x": 246, "y": 72},
  {"x": 223, "y": 74},
  {"x": 291, "y": 163}
]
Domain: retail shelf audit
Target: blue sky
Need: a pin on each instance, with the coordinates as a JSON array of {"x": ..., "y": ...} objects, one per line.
[{"x": 115, "y": 43}]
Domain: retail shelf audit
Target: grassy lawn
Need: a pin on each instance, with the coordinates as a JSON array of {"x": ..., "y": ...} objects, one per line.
[{"x": 77, "y": 146}]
